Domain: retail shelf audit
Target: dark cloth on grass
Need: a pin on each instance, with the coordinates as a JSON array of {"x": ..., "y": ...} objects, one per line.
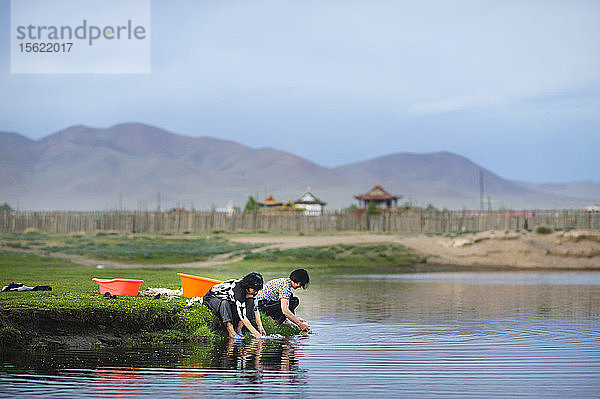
[{"x": 22, "y": 287}]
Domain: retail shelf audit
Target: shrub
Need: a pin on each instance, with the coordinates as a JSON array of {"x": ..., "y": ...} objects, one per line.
[
  {"x": 372, "y": 208},
  {"x": 543, "y": 230},
  {"x": 148, "y": 249},
  {"x": 431, "y": 208},
  {"x": 251, "y": 205},
  {"x": 9, "y": 336},
  {"x": 78, "y": 234}
]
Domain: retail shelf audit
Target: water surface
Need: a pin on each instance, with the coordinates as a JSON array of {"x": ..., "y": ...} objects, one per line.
[{"x": 530, "y": 334}]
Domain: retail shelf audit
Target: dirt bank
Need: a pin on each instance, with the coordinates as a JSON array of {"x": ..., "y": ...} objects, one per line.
[
  {"x": 558, "y": 250},
  {"x": 75, "y": 328}
]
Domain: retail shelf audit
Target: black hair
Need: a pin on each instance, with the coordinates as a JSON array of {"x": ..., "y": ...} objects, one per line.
[
  {"x": 252, "y": 280},
  {"x": 300, "y": 276}
]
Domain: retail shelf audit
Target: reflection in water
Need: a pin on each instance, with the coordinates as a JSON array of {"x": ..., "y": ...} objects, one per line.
[
  {"x": 251, "y": 354},
  {"x": 117, "y": 382},
  {"x": 450, "y": 297},
  {"x": 248, "y": 354},
  {"x": 189, "y": 371},
  {"x": 405, "y": 335}
]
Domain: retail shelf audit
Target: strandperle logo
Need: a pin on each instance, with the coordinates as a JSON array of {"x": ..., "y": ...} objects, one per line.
[
  {"x": 77, "y": 36},
  {"x": 85, "y": 31}
]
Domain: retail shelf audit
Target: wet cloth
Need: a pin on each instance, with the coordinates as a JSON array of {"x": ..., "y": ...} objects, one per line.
[
  {"x": 157, "y": 293},
  {"x": 191, "y": 301},
  {"x": 232, "y": 292},
  {"x": 22, "y": 287}
]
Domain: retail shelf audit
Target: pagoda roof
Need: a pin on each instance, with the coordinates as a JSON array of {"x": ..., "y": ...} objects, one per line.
[
  {"x": 377, "y": 193},
  {"x": 270, "y": 201},
  {"x": 309, "y": 198}
]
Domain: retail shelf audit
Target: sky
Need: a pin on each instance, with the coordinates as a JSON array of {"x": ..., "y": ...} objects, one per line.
[{"x": 512, "y": 85}]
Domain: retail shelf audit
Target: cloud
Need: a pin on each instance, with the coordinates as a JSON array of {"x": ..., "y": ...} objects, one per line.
[{"x": 455, "y": 104}]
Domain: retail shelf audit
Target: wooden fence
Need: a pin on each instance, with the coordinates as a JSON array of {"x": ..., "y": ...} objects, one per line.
[{"x": 414, "y": 221}]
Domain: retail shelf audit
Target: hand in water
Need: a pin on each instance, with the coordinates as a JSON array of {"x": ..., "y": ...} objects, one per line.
[{"x": 304, "y": 326}]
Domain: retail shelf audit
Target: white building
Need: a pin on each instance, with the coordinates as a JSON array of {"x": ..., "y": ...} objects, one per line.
[{"x": 312, "y": 205}]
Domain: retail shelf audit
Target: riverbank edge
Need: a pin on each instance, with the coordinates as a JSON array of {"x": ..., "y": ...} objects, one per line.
[
  {"x": 60, "y": 328},
  {"x": 92, "y": 327}
]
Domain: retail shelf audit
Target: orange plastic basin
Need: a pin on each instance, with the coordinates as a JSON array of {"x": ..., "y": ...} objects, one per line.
[
  {"x": 119, "y": 286},
  {"x": 196, "y": 286}
]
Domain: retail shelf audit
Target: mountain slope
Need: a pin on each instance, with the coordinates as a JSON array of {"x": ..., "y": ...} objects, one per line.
[
  {"x": 441, "y": 172},
  {"x": 16, "y": 159},
  {"x": 82, "y": 167},
  {"x": 132, "y": 164}
]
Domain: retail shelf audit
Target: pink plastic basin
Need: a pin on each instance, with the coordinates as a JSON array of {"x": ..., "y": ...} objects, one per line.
[{"x": 119, "y": 286}]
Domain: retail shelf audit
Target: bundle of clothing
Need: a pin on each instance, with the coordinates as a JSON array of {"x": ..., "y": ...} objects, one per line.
[
  {"x": 22, "y": 287},
  {"x": 158, "y": 293}
]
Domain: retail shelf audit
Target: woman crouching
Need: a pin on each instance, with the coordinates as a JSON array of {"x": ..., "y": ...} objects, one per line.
[
  {"x": 278, "y": 302},
  {"x": 233, "y": 302}
]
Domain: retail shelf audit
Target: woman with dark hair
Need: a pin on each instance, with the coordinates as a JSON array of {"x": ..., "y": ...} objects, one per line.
[
  {"x": 233, "y": 302},
  {"x": 278, "y": 302}
]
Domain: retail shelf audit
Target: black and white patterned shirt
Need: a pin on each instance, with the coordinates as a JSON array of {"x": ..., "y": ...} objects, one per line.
[{"x": 232, "y": 291}]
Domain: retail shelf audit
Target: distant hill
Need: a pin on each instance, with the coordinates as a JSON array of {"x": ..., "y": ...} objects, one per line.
[
  {"x": 16, "y": 159},
  {"x": 132, "y": 165},
  {"x": 454, "y": 180}
]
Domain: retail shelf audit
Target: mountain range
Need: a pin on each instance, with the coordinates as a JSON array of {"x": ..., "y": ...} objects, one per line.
[{"x": 137, "y": 166}]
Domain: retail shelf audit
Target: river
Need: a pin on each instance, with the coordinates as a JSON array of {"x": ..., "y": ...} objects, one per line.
[{"x": 463, "y": 334}]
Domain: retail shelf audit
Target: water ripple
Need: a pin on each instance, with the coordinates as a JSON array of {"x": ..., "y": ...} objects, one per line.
[{"x": 449, "y": 336}]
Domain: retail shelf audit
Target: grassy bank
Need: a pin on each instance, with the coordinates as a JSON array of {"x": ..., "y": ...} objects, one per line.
[
  {"x": 42, "y": 320},
  {"x": 75, "y": 307},
  {"x": 125, "y": 248},
  {"x": 342, "y": 255}
]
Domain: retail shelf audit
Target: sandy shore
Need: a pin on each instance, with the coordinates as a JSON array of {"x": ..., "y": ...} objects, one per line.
[{"x": 558, "y": 250}]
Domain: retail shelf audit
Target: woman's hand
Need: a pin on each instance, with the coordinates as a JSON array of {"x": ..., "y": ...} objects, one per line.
[
  {"x": 304, "y": 326},
  {"x": 259, "y": 334}
]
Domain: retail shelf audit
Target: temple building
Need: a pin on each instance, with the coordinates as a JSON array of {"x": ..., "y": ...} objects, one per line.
[
  {"x": 269, "y": 202},
  {"x": 382, "y": 199},
  {"x": 289, "y": 206},
  {"x": 312, "y": 205}
]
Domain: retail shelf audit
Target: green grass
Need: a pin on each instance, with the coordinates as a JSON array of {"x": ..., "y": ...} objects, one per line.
[
  {"x": 133, "y": 248},
  {"x": 66, "y": 276},
  {"x": 19, "y": 259},
  {"x": 340, "y": 255},
  {"x": 35, "y": 259},
  {"x": 544, "y": 230},
  {"x": 150, "y": 250},
  {"x": 74, "y": 292}
]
